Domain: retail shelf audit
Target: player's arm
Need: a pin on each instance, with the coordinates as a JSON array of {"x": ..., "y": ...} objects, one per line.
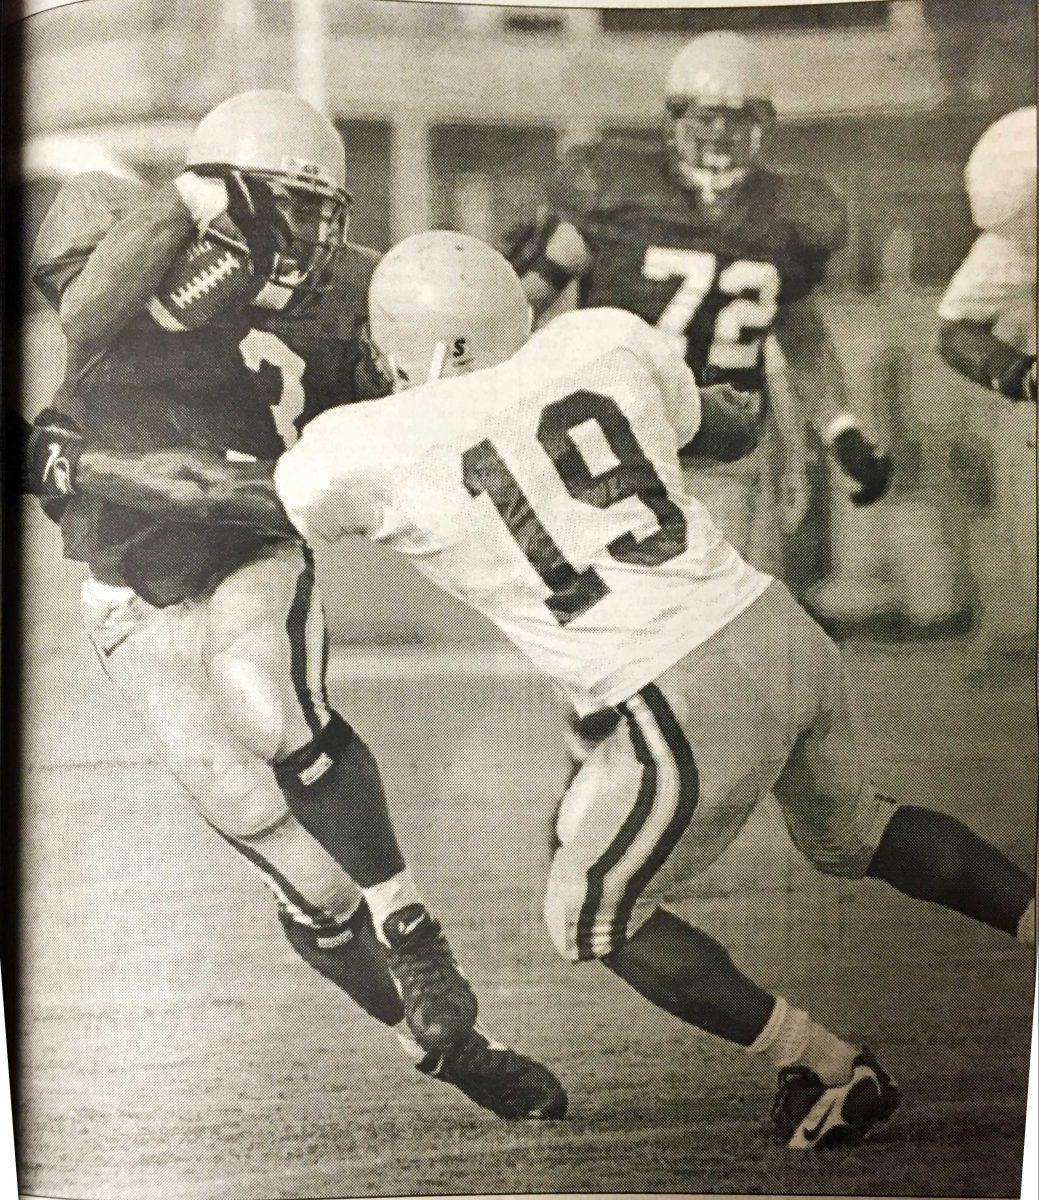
[
  {"x": 972, "y": 349},
  {"x": 547, "y": 256},
  {"x": 55, "y": 460},
  {"x": 806, "y": 342},
  {"x": 96, "y": 291},
  {"x": 730, "y": 424},
  {"x": 972, "y": 304},
  {"x": 715, "y": 422}
]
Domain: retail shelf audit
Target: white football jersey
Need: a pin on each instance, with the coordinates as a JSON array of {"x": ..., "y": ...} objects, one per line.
[
  {"x": 547, "y": 494},
  {"x": 995, "y": 285}
]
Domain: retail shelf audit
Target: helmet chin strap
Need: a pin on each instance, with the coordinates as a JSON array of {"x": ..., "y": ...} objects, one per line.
[{"x": 710, "y": 183}]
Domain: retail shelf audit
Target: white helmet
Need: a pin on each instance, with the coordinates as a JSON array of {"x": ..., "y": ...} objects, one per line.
[
  {"x": 719, "y": 108},
  {"x": 1000, "y": 174},
  {"x": 442, "y": 304},
  {"x": 280, "y": 138}
]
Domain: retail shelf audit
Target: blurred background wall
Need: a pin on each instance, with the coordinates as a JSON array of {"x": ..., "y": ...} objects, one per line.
[{"x": 452, "y": 115}]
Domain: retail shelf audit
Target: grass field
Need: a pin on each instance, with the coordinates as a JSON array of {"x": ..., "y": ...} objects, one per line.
[{"x": 175, "y": 1047}]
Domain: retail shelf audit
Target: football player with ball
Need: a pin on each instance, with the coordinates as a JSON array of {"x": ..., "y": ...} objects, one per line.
[{"x": 219, "y": 314}]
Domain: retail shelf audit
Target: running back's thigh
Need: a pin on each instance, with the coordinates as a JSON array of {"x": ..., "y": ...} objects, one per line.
[{"x": 266, "y": 647}]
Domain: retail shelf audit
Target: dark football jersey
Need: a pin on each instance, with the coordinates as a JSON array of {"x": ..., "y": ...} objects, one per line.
[
  {"x": 715, "y": 284},
  {"x": 244, "y": 384}
]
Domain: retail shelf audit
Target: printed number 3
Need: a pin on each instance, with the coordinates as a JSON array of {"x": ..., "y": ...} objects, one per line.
[
  {"x": 573, "y": 592},
  {"x": 259, "y": 346},
  {"x": 696, "y": 269}
]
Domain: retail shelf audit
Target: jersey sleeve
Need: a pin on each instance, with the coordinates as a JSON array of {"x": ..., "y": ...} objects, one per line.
[
  {"x": 325, "y": 494},
  {"x": 672, "y": 375},
  {"x": 984, "y": 284},
  {"x": 818, "y": 219},
  {"x": 103, "y": 249}
]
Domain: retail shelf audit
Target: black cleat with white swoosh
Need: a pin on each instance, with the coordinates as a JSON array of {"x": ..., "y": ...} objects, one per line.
[
  {"x": 510, "y": 1085},
  {"x": 808, "y": 1115},
  {"x": 439, "y": 1004}
]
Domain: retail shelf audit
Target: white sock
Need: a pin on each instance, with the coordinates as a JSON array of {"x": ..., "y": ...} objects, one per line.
[
  {"x": 391, "y": 897},
  {"x": 1026, "y": 926},
  {"x": 791, "y": 1037}
]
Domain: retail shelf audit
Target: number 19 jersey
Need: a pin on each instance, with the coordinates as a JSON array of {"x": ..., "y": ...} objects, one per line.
[{"x": 547, "y": 494}]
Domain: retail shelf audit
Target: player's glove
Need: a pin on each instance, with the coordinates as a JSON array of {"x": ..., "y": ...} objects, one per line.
[
  {"x": 253, "y": 210},
  {"x": 43, "y": 456},
  {"x": 864, "y": 462},
  {"x": 243, "y": 208}
]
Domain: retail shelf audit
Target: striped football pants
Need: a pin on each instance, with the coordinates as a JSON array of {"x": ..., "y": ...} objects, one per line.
[{"x": 759, "y": 707}]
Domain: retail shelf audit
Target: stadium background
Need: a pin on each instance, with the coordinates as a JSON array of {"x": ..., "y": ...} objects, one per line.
[{"x": 171, "y": 1045}]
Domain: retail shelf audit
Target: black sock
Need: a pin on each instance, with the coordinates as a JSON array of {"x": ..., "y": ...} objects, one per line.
[
  {"x": 683, "y": 971},
  {"x": 932, "y": 856},
  {"x": 334, "y": 790},
  {"x": 351, "y": 957}
]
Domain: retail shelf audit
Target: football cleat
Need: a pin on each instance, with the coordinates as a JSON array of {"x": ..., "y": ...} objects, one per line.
[
  {"x": 508, "y": 1084},
  {"x": 439, "y": 1004},
  {"x": 808, "y": 1115}
]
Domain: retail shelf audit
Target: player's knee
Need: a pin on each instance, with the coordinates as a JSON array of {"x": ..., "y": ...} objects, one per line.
[
  {"x": 246, "y": 801},
  {"x": 843, "y": 848},
  {"x": 251, "y": 702}
]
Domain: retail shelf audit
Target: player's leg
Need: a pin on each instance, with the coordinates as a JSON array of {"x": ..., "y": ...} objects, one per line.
[
  {"x": 267, "y": 651},
  {"x": 840, "y": 823},
  {"x": 152, "y": 658},
  {"x": 646, "y": 813}
]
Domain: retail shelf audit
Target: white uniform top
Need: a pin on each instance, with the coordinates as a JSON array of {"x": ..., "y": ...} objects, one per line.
[
  {"x": 547, "y": 494},
  {"x": 995, "y": 285}
]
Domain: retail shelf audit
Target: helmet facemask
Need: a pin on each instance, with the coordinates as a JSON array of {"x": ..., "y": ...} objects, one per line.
[
  {"x": 315, "y": 220},
  {"x": 712, "y": 146}
]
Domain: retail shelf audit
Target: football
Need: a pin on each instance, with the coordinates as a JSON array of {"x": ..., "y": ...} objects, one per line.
[{"x": 208, "y": 277}]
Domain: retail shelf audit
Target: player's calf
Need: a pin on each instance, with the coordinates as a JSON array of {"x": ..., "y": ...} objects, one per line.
[
  {"x": 932, "y": 856},
  {"x": 348, "y": 954}
]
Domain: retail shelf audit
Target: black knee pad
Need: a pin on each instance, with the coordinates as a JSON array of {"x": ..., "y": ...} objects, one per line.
[
  {"x": 348, "y": 953},
  {"x": 334, "y": 789}
]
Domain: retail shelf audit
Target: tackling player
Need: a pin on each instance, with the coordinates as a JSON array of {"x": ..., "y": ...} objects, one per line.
[
  {"x": 219, "y": 313},
  {"x": 538, "y": 479},
  {"x": 988, "y": 330}
]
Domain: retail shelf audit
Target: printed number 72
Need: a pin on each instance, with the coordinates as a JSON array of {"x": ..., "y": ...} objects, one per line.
[{"x": 697, "y": 270}]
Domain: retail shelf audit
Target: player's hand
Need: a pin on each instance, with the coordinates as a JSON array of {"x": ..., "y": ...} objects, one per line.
[
  {"x": 372, "y": 379},
  {"x": 46, "y": 453},
  {"x": 253, "y": 210},
  {"x": 793, "y": 498},
  {"x": 204, "y": 196},
  {"x": 865, "y": 463}
]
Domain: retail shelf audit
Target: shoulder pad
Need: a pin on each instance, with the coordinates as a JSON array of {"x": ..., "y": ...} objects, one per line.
[
  {"x": 601, "y": 174},
  {"x": 87, "y": 206},
  {"x": 817, "y": 213}
]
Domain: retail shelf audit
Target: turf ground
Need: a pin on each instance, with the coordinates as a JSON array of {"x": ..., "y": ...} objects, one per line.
[{"x": 175, "y": 1047}]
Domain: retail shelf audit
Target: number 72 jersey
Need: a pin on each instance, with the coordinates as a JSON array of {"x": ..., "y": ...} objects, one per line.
[
  {"x": 547, "y": 494},
  {"x": 714, "y": 284}
]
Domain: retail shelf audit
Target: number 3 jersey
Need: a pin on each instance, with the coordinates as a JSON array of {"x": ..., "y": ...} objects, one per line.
[
  {"x": 243, "y": 385},
  {"x": 547, "y": 494},
  {"x": 714, "y": 283}
]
